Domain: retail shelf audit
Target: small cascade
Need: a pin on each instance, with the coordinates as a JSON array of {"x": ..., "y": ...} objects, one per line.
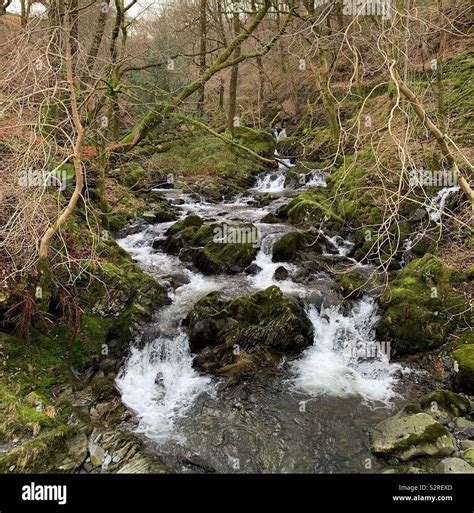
[
  {"x": 266, "y": 277},
  {"x": 438, "y": 203},
  {"x": 345, "y": 359}
]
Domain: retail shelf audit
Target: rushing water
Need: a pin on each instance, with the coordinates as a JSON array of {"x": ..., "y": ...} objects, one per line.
[{"x": 300, "y": 419}]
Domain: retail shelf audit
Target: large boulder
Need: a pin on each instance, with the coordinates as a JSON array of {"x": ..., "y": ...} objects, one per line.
[
  {"x": 422, "y": 306},
  {"x": 249, "y": 330},
  {"x": 408, "y": 436},
  {"x": 464, "y": 367},
  {"x": 454, "y": 466},
  {"x": 208, "y": 250},
  {"x": 287, "y": 247},
  {"x": 445, "y": 405}
]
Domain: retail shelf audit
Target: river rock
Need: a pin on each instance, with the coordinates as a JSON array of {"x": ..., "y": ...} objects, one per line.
[
  {"x": 252, "y": 269},
  {"x": 468, "y": 456},
  {"x": 422, "y": 307},
  {"x": 254, "y": 330},
  {"x": 213, "y": 248},
  {"x": 445, "y": 405},
  {"x": 408, "y": 436},
  {"x": 270, "y": 219},
  {"x": 286, "y": 248},
  {"x": 453, "y": 466},
  {"x": 281, "y": 273},
  {"x": 464, "y": 365}
]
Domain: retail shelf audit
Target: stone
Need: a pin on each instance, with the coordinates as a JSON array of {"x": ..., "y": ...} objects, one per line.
[
  {"x": 445, "y": 405},
  {"x": 409, "y": 436},
  {"x": 468, "y": 456},
  {"x": 464, "y": 364},
  {"x": 462, "y": 423},
  {"x": 253, "y": 330},
  {"x": 252, "y": 269},
  {"x": 281, "y": 273},
  {"x": 453, "y": 466},
  {"x": 96, "y": 453}
]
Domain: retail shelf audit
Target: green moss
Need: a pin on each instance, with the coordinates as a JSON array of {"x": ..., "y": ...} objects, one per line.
[
  {"x": 454, "y": 403},
  {"x": 41, "y": 454},
  {"x": 350, "y": 284},
  {"x": 422, "y": 306},
  {"x": 286, "y": 247},
  {"x": 429, "y": 436},
  {"x": 464, "y": 358}
]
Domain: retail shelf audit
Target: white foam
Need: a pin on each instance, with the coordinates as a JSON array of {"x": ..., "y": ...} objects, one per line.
[{"x": 334, "y": 366}]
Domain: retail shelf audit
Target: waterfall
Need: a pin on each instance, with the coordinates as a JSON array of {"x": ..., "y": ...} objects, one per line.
[{"x": 345, "y": 359}]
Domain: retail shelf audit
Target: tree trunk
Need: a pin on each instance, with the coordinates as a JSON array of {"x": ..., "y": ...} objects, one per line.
[
  {"x": 234, "y": 74},
  {"x": 202, "y": 51}
]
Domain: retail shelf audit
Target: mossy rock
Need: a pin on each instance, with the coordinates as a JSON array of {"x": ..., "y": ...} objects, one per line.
[
  {"x": 350, "y": 285},
  {"x": 464, "y": 364},
  {"x": 287, "y": 247},
  {"x": 259, "y": 141},
  {"x": 261, "y": 325},
  {"x": 224, "y": 258},
  {"x": 215, "y": 247},
  {"x": 445, "y": 405},
  {"x": 409, "y": 436},
  {"x": 309, "y": 206},
  {"x": 422, "y": 307},
  {"x": 132, "y": 175},
  {"x": 60, "y": 450}
]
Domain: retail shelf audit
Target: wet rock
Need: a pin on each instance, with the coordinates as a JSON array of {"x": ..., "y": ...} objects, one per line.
[
  {"x": 445, "y": 405},
  {"x": 270, "y": 219},
  {"x": 409, "y": 436},
  {"x": 61, "y": 449},
  {"x": 252, "y": 269},
  {"x": 233, "y": 335},
  {"x": 422, "y": 307},
  {"x": 464, "y": 424},
  {"x": 96, "y": 454},
  {"x": 287, "y": 247},
  {"x": 350, "y": 285},
  {"x": 158, "y": 243},
  {"x": 453, "y": 466},
  {"x": 464, "y": 365},
  {"x": 213, "y": 248},
  {"x": 406, "y": 470},
  {"x": 468, "y": 455},
  {"x": 281, "y": 273}
]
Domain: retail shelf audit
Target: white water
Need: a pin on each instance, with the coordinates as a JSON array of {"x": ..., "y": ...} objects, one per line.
[
  {"x": 271, "y": 182},
  {"x": 337, "y": 365},
  {"x": 438, "y": 202},
  {"x": 160, "y": 384},
  {"x": 265, "y": 278}
]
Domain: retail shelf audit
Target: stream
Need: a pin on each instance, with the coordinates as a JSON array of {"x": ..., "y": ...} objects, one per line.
[{"x": 312, "y": 415}]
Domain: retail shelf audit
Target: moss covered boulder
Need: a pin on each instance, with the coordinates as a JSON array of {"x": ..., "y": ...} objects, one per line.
[
  {"x": 464, "y": 367},
  {"x": 422, "y": 306},
  {"x": 213, "y": 248},
  {"x": 252, "y": 330},
  {"x": 287, "y": 247},
  {"x": 63, "y": 449},
  {"x": 445, "y": 405},
  {"x": 409, "y": 436}
]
